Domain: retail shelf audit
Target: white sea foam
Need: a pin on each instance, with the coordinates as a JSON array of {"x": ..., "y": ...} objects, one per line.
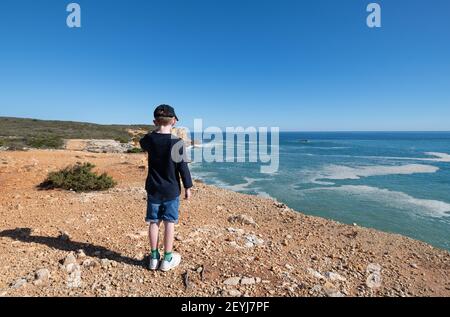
[
  {"x": 437, "y": 157},
  {"x": 204, "y": 145},
  {"x": 242, "y": 187},
  {"x": 341, "y": 172},
  {"x": 400, "y": 200}
]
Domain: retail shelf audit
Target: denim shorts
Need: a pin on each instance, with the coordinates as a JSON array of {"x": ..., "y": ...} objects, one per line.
[{"x": 162, "y": 211}]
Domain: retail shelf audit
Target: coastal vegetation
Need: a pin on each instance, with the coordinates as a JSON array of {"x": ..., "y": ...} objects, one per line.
[
  {"x": 19, "y": 133},
  {"x": 79, "y": 178},
  {"x": 135, "y": 150}
]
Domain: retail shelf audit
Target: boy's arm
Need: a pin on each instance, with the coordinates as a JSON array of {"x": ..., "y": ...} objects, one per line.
[
  {"x": 183, "y": 169},
  {"x": 144, "y": 143}
]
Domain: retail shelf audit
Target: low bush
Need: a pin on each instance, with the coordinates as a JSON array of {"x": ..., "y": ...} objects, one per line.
[
  {"x": 135, "y": 150},
  {"x": 44, "y": 142},
  {"x": 79, "y": 178},
  {"x": 122, "y": 140}
]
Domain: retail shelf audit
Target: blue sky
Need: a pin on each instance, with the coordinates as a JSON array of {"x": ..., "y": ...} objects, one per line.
[{"x": 301, "y": 65}]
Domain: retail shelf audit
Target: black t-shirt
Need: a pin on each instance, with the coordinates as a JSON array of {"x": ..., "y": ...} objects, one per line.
[{"x": 165, "y": 169}]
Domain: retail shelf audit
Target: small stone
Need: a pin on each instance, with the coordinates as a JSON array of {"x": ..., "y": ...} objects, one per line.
[
  {"x": 70, "y": 259},
  {"x": 232, "y": 281},
  {"x": 248, "y": 281},
  {"x": 315, "y": 274},
  {"x": 234, "y": 230},
  {"x": 105, "y": 263},
  {"x": 373, "y": 268},
  {"x": 234, "y": 293},
  {"x": 81, "y": 254},
  {"x": 41, "y": 276},
  {"x": 74, "y": 279},
  {"x": 249, "y": 244},
  {"x": 19, "y": 283},
  {"x": 335, "y": 277},
  {"x": 242, "y": 219},
  {"x": 374, "y": 280},
  {"x": 71, "y": 267},
  {"x": 178, "y": 238},
  {"x": 88, "y": 263},
  {"x": 316, "y": 289},
  {"x": 254, "y": 240},
  {"x": 280, "y": 205},
  {"x": 331, "y": 291},
  {"x": 414, "y": 265}
]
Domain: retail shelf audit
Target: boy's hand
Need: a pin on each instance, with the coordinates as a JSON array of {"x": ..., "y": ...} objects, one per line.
[{"x": 187, "y": 194}]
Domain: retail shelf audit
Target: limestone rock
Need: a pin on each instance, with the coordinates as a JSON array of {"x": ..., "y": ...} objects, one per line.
[
  {"x": 234, "y": 293},
  {"x": 248, "y": 281},
  {"x": 232, "y": 281},
  {"x": 315, "y": 274},
  {"x": 69, "y": 259},
  {"x": 41, "y": 276},
  {"x": 19, "y": 283},
  {"x": 242, "y": 219},
  {"x": 335, "y": 277}
]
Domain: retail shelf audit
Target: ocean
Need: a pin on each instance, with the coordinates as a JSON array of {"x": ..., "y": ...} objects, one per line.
[{"x": 396, "y": 182}]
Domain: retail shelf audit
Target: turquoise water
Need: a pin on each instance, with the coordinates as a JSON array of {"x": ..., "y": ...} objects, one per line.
[{"x": 395, "y": 182}]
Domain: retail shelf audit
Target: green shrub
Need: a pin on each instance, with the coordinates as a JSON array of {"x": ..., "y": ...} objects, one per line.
[
  {"x": 14, "y": 144},
  {"x": 122, "y": 140},
  {"x": 135, "y": 150},
  {"x": 44, "y": 142},
  {"x": 79, "y": 178}
]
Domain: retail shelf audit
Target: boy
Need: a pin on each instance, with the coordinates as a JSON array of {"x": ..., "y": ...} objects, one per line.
[{"x": 166, "y": 165}]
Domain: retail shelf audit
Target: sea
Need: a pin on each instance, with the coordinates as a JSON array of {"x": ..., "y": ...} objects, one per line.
[{"x": 397, "y": 182}]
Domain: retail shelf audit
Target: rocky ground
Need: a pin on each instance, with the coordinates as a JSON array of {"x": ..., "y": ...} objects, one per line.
[{"x": 59, "y": 243}]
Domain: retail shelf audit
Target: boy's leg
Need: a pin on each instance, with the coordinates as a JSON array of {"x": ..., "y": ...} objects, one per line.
[
  {"x": 171, "y": 260},
  {"x": 169, "y": 232},
  {"x": 155, "y": 257},
  {"x": 153, "y": 234}
]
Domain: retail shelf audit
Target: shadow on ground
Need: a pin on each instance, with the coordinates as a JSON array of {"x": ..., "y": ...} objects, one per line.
[{"x": 24, "y": 235}]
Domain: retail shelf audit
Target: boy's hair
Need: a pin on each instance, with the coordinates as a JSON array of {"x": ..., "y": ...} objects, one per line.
[{"x": 163, "y": 121}]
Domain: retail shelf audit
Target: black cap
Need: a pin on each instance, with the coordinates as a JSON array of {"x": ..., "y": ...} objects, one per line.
[{"x": 165, "y": 111}]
